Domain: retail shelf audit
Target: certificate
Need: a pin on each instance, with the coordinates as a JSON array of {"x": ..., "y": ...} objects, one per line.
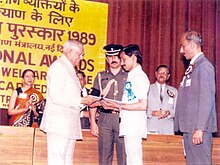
[{"x": 107, "y": 99}]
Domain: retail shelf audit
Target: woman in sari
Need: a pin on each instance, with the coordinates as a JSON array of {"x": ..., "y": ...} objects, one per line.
[{"x": 26, "y": 103}]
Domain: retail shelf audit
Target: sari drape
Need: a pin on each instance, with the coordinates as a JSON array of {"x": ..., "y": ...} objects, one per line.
[{"x": 28, "y": 119}]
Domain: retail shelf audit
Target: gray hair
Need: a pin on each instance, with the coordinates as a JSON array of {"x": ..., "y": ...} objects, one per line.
[
  {"x": 72, "y": 43},
  {"x": 194, "y": 36}
]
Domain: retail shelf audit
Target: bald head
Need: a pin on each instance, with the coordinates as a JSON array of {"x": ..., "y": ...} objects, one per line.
[
  {"x": 194, "y": 37},
  {"x": 190, "y": 44}
]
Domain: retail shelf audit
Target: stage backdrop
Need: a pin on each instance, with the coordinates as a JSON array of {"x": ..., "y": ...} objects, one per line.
[{"x": 32, "y": 33}]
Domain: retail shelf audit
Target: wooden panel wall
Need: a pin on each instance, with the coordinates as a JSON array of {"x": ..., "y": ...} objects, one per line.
[{"x": 27, "y": 146}]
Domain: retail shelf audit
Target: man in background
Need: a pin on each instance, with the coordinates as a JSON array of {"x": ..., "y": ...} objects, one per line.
[
  {"x": 161, "y": 103},
  {"x": 195, "y": 109},
  {"x": 84, "y": 113},
  {"x": 109, "y": 84}
]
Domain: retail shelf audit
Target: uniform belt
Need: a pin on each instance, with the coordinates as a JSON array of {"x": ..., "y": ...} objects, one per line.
[{"x": 109, "y": 111}]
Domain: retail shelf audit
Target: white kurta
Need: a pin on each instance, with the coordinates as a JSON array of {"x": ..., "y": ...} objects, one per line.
[
  {"x": 62, "y": 112},
  {"x": 136, "y": 87}
]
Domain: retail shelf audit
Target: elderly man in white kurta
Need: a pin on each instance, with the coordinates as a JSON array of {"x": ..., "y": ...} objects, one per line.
[{"x": 61, "y": 119}]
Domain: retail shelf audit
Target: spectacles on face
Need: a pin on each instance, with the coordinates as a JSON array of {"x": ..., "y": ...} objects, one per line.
[
  {"x": 162, "y": 72},
  {"x": 80, "y": 54}
]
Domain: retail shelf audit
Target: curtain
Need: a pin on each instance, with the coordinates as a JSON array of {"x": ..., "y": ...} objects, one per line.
[{"x": 155, "y": 25}]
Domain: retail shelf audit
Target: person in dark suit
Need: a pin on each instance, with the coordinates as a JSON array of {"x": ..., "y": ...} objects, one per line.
[
  {"x": 195, "y": 109},
  {"x": 84, "y": 114},
  {"x": 161, "y": 103}
]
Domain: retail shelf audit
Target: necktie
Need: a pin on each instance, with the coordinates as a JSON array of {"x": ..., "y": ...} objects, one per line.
[{"x": 161, "y": 93}]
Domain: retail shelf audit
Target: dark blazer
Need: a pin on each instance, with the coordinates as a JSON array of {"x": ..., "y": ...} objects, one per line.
[{"x": 195, "y": 108}]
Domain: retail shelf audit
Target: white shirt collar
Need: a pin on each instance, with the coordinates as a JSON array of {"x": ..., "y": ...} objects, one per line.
[
  {"x": 158, "y": 86},
  {"x": 195, "y": 57},
  {"x": 136, "y": 69},
  {"x": 84, "y": 92}
]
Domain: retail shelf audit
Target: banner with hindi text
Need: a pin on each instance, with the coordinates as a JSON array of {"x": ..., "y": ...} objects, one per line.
[{"x": 32, "y": 33}]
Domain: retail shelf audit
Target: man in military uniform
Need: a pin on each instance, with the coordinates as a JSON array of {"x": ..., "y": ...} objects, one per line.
[{"x": 109, "y": 84}]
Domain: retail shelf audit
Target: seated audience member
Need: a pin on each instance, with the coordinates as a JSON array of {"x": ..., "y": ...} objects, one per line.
[
  {"x": 84, "y": 115},
  {"x": 26, "y": 103},
  {"x": 161, "y": 103}
]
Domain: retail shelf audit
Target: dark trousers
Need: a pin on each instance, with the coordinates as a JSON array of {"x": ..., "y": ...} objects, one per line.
[
  {"x": 198, "y": 154},
  {"x": 85, "y": 123},
  {"x": 108, "y": 135}
]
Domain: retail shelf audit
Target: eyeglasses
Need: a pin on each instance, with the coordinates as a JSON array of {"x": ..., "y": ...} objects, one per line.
[
  {"x": 80, "y": 54},
  {"x": 162, "y": 72}
]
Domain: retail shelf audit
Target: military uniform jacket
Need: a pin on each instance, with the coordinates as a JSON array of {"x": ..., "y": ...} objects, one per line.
[{"x": 103, "y": 78}]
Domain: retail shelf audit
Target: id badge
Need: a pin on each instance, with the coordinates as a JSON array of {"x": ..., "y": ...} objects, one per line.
[
  {"x": 171, "y": 100},
  {"x": 23, "y": 95},
  {"x": 188, "y": 83}
]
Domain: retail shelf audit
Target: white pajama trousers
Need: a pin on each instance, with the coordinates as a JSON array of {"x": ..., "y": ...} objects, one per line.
[
  {"x": 60, "y": 149},
  {"x": 133, "y": 148}
]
